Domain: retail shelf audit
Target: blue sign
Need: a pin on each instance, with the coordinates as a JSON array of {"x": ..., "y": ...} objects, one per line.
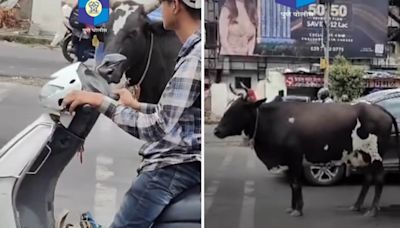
[
  {"x": 94, "y": 12},
  {"x": 296, "y": 4}
]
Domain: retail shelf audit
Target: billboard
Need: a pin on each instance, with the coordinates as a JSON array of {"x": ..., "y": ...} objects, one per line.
[{"x": 358, "y": 28}]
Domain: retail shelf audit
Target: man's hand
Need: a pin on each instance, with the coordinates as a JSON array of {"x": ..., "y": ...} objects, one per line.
[
  {"x": 77, "y": 98},
  {"x": 126, "y": 99}
]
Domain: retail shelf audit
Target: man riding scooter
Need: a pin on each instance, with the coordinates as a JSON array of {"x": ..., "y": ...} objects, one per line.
[{"x": 172, "y": 128}]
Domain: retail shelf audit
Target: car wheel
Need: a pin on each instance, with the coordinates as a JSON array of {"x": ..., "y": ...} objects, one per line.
[{"x": 324, "y": 175}]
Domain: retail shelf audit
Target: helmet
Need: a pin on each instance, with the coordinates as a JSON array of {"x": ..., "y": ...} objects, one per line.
[
  {"x": 64, "y": 81},
  {"x": 323, "y": 93},
  {"x": 195, "y": 4}
]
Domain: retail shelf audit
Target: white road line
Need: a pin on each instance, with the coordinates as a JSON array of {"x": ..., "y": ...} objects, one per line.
[
  {"x": 248, "y": 206},
  {"x": 4, "y": 89},
  {"x": 212, "y": 189},
  {"x": 105, "y": 196},
  {"x": 251, "y": 163},
  {"x": 224, "y": 165},
  {"x": 209, "y": 195}
]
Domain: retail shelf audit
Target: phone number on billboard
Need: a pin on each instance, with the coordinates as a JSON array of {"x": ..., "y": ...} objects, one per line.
[{"x": 317, "y": 49}]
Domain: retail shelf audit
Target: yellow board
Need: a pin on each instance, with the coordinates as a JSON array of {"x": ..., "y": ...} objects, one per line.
[
  {"x": 323, "y": 64},
  {"x": 95, "y": 41}
]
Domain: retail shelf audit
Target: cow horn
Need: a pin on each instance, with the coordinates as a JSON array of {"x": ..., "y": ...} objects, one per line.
[
  {"x": 235, "y": 92},
  {"x": 244, "y": 86},
  {"x": 151, "y": 6},
  {"x": 232, "y": 90}
]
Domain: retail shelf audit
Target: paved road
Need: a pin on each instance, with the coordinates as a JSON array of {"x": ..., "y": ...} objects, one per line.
[
  {"x": 110, "y": 158},
  {"x": 241, "y": 193},
  {"x": 33, "y": 61}
]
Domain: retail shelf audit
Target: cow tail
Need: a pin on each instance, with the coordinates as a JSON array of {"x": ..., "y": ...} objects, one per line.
[{"x": 396, "y": 128}]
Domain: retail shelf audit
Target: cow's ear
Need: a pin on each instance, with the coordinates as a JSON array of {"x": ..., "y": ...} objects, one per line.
[
  {"x": 156, "y": 27},
  {"x": 259, "y": 102}
]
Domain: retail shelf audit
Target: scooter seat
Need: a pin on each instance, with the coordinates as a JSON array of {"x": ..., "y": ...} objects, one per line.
[{"x": 186, "y": 207}]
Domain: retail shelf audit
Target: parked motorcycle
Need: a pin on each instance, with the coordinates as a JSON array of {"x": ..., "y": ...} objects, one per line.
[{"x": 32, "y": 162}]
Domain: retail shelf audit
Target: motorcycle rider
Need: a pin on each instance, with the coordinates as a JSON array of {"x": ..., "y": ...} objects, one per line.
[
  {"x": 172, "y": 128},
  {"x": 324, "y": 95},
  {"x": 81, "y": 40}
]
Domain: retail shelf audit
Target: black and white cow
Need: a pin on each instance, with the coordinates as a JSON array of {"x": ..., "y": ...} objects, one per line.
[{"x": 285, "y": 133}]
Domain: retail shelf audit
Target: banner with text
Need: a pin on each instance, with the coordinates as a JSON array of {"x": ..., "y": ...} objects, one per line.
[{"x": 358, "y": 28}]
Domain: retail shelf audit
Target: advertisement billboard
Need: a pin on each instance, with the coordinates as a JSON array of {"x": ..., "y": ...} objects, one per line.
[{"x": 358, "y": 28}]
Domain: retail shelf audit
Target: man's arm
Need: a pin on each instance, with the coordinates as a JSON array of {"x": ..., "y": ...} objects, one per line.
[{"x": 153, "y": 122}]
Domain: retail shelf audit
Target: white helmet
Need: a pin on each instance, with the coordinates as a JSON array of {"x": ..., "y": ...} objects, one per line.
[
  {"x": 195, "y": 4},
  {"x": 65, "y": 81}
]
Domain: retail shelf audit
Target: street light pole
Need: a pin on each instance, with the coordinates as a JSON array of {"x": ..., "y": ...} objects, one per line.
[{"x": 327, "y": 43}]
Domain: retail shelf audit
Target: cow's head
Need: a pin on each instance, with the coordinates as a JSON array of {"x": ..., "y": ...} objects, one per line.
[
  {"x": 239, "y": 116},
  {"x": 128, "y": 35}
]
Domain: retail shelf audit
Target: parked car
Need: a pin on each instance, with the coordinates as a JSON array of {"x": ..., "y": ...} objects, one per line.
[{"x": 331, "y": 174}]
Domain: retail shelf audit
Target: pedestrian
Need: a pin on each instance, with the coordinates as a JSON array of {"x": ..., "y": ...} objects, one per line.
[
  {"x": 171, "y": 128},
  {"x": 345, "y": 98}
]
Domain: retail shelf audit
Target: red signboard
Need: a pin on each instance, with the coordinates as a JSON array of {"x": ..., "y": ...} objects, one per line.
[
  {"x": 382, "y": 83},
  {"x": 304, "y": 81}
]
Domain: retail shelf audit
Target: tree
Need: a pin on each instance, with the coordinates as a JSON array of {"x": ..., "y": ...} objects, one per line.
[{"x": 345, "y": 79}]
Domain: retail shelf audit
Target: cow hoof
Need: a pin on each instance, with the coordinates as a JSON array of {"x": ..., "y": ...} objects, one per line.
[
  {"x": 371, "y": 213},
  {"x": 296, "y": 213},
  {"x": 355, "y": 208},
  {"x": 289, "y": 210}
]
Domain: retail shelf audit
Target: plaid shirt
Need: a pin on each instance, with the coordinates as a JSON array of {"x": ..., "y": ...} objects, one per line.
[{"x": 171, "y": 128}]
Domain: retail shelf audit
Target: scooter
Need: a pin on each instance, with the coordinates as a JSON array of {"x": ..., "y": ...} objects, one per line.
[{"x": 32, "y": 162}]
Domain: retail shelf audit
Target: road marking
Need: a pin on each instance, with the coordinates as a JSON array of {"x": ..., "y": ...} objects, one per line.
[
  {"x": 210, "y": 193},
  {"x": 227, "y": 160},
  {"x": 4, "y": 89},
  {"x": 248, "y": 206},
  {"x": 251, "y": 163},
  {"x": 105, "y": 195},
  {"x": 213, "y": 188}
]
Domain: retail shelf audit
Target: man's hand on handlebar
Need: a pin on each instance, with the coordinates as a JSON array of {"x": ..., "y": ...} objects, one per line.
[
  {"x": 127, "y": 99},
  {"x": 78, "y": 98}
]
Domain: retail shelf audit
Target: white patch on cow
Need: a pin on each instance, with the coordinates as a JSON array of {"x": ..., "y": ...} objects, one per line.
[
  {"x": 121, "y": 21},
  {"x": 326, "y": 147},
  {"x": 355, "y": 159},
  {"x": 368, "y": 146},
  {"x": 291, "y": 120}
]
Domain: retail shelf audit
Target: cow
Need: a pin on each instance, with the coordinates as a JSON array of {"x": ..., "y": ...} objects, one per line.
[
  {"x": 139, "y": 49},
  {"x": 286, "y": 133}
]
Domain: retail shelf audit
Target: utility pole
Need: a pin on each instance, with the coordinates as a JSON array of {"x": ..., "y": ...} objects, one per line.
[{"x": 327, "y": 26}]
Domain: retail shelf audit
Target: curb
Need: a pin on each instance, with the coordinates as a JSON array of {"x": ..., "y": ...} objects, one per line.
[
  {"x": 24, "y": 80},
  {"x": 24, "y": 39}
]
